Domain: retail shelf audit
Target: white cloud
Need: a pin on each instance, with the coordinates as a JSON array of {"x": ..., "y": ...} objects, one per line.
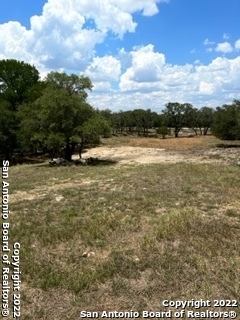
[
  {"x": 66, "y": 33},
  {"x": 237, "y": 44},
  {"x": 206, "y": 88},
  {"x": 224, "y": 47},
  {"x": 102, "y": 87},
  {"x": 207, "y": 42},
  {"x": 149, "y": 7},
  {"x": 64, "y": 37},
  {"x": 146, "y": 68},
  {"x": 150, "y": 82},
  {"x": 13, "y": 40},
  {"x": 103, "y": 69}
]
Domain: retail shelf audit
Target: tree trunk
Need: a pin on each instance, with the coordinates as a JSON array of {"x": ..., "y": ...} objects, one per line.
[
  {"x": 205, "y": 131},
  {"x": 195, "y": 130},
  {"x": 68, "y": 152},
  {"x": 176, "y": 131},
  {"x": 81, "y": 148}
]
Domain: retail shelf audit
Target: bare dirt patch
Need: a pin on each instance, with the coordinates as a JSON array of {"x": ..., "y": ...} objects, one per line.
[
  {"x": 145, "y": 155},
  {"x": 54, "y": 185}
]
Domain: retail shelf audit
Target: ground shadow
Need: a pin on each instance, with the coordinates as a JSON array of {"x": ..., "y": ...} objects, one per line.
[
  {"x": 95, "y": 162},
  {"x": 227, "y": 145},
  {"x": 106, "y": 162}
]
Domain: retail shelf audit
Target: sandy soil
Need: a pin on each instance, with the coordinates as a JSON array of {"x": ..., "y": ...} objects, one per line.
[{"x": 134, "y": 155}]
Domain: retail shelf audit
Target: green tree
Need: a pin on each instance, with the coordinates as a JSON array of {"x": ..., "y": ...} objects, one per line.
[
  {"x": 91, "y": 131},
  {"x": 157, "y": 120},
  {"x": 73, "y": 84},
  {"x": 205, "y": 119},
  {"x": 174, "y": 116},
  {"x": 143, "y": 120},
  {"x": 107, "y": 114},
  {"x": 7, "y": 129},
  {"x": 226, "y": 124},
  {"x": 119, "y": 121},
  {"x": 191, "y": 118},
  {"x": 19, "y": 82},
  {"x": 58, "y": 121},
  {"x": 130, "y": 121},
  {"x": 163, "y": 131}
]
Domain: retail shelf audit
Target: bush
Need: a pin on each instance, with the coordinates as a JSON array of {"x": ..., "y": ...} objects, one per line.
[
  {"x": 163, "y": 131},
  {"x": 226, "y": 124}
]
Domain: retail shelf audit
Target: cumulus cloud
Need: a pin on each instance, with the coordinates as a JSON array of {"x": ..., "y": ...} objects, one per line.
[
  {"x": 145, "y": 68},
  {"x": 206, "y": 88},
  {"x": 66, "y": 33},
  {"x": 65, "y": 36},
  {"x": 15, "y": 41},
  {"x": 150, "y": 82},
  {"x": 149, "y": 69},
  {"x": 104, "y": 69},
  {"x": 102, "y": 72},
  {"x": 224, "y": 47}
]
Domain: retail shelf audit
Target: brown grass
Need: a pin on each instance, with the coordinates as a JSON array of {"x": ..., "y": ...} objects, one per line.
[{"x": 181, "y": 143}]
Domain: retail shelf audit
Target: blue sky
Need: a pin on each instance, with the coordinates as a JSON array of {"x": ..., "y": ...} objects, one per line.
[{"x": 138, "y": 54}]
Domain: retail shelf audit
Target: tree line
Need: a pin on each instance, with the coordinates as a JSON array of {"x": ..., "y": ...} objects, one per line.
[
  {"x": 52, "y": 115},
  {"x": 175, "y": 116},
  {"x": 224, "y": 121}
]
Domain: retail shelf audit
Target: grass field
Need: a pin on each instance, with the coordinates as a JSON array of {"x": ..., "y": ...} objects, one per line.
[{"x": 126, "y": 237}]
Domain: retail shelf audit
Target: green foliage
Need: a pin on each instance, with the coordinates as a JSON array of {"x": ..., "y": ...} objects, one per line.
[
  {"x": 19, "y": 82},
  {"x": 58, "y": 120},
  {"x": 139, "y": 120},
  {"x": 191, "y": 116},
  {"x": 227, "y": 121},
  {"x": 53, "y": 114},
  {"x": 106, "y": 114},
  {"x": 174, "y": 115},
  {"x": 72, "y": 83},
  {"x": 205, "y": 119},
  {"x": 91, "y": 130},
  {"x": 163, "y": 131},
  {"x": 7, "y": 129},
  {"x": 143, "y": 119}
]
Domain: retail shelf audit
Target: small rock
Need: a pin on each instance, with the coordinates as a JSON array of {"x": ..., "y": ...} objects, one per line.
[
  {"x": 59, "y": 162},
  {"x": 81, "y": 161},
  {"x": 59, "y": 198},
  {"x": 85, "y": 254},
  {"x": 91, "y": 254}
]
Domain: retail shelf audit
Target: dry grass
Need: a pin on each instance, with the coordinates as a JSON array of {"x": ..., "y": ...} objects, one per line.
[
  {"x": 181, "y": 143},
  {"x": 160, "y": 231}
]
